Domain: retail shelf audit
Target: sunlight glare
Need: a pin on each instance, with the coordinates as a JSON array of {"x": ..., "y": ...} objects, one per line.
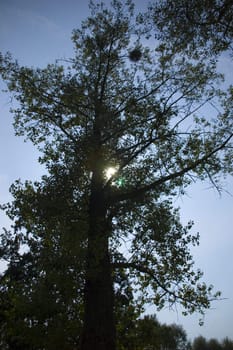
[{"x": 109, "y": 172}]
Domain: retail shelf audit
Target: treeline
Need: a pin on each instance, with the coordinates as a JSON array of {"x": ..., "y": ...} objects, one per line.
[
  {"x": 201, "y": 343},
  {"x": 150, "y": 334}
]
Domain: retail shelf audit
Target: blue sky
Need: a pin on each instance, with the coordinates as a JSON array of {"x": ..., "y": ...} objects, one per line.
[{"x": 38, "y": 32}]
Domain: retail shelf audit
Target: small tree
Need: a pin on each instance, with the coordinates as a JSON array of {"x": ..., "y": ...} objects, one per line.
[
  {"x": 120, "y": 136},
  {"x": 200, "y": 343},
  {"x": 213, "y": 344},
  {"x": 151, "y": 335},
  {"x": 227, "y": 344}
]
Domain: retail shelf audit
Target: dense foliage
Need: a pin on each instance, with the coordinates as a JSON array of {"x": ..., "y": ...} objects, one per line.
[
  {"x": 89, "y": 248},
  {"x": 201, "y": 27}
]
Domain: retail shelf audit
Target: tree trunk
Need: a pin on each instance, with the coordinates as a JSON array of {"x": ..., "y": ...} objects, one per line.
[{"x": 99, "y": 325}]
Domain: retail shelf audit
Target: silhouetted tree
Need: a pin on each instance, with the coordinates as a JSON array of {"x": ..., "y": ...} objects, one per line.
[
  {"x": 200, "y": 343},
  {"x": 119, "y": 139},
  {"x": 227, "y": 344},
  {"x": 213, "y": 344}
]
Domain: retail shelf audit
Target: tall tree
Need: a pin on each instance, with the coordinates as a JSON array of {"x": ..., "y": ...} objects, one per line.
[{"x": 120, "y": 135}]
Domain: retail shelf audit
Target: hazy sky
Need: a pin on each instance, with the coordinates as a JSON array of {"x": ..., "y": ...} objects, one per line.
[{"x": 38, "y": 32}]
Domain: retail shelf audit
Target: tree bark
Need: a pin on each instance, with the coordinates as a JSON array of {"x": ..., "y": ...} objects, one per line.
[{"x": 99, "y": 325}]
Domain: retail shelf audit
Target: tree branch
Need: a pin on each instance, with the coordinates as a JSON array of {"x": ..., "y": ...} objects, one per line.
[
  {"x": 151, "y": 274},
  {"x": 138, "y": 192}
]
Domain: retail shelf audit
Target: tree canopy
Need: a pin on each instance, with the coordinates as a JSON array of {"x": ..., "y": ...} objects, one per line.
[
  {"x": 122, "y": 130},
  {"x": 197, "y": 26}
]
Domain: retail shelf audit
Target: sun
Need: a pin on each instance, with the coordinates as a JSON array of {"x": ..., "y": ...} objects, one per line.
[{"x": 109, "y": 172}]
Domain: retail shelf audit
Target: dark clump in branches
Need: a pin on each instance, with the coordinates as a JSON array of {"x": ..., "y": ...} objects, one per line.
[{"x": 135, "y": 55}]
